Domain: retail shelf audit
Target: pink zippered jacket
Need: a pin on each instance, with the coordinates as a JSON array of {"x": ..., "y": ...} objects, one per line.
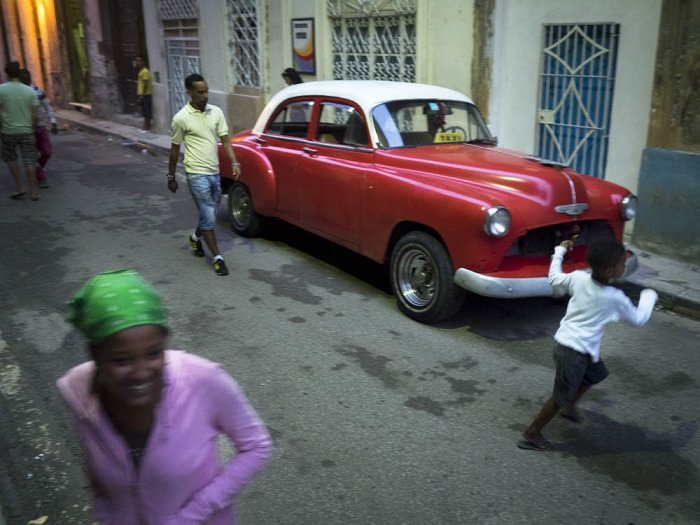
[{"x": 179, "y": 480}]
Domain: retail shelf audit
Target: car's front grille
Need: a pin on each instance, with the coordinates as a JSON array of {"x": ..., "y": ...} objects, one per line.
[{"x": 541, "y": 242}]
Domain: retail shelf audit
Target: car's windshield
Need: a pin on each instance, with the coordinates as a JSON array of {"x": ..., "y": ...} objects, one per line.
[{"x": 409, "y": 123}]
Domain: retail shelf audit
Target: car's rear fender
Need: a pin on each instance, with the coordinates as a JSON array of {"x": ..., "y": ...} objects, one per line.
[{"x": 256, "y": 174}]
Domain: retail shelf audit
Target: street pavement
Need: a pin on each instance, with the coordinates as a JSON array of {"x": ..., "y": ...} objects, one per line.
[{"x": 677, "y": 282}]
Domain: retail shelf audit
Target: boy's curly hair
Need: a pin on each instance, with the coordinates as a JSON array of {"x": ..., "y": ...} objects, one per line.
[{"x": 604, "y": 253}]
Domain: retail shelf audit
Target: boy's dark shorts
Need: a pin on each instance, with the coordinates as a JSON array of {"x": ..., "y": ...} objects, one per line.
[
  {"x": 147, "y": 106},
  {"x": 573, "y": 369}
]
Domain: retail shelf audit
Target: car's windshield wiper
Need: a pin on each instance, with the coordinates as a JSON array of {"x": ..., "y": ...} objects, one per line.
[{"x": 482, "y": 140}]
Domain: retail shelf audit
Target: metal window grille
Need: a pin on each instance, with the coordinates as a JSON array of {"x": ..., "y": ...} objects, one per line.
[
  {"x": 576, "y": 92},
  {"x": 244, "y": 42},
  {"x": 374, "y": 39},
  {"x": 182, "y": 49},
  {"x": 178, "y": 9}
]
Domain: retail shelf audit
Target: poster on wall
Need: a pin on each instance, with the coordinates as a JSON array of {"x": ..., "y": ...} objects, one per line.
[{"x": 303, "y": 52}]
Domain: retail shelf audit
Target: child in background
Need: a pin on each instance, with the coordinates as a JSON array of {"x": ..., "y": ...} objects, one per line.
[
  {"x": 43, "y": 143},
  {"x": 592, "y": 306}
]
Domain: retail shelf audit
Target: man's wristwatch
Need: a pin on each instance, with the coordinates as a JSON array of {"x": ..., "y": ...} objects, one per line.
[
  {"x": 171, "y": 177},
  {"x": 235, "y": 164}
]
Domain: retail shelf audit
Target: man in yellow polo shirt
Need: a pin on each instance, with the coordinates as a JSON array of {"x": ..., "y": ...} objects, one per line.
[
  {"x": 144, "y": 89},
  {"x": 198, "y": 125}
]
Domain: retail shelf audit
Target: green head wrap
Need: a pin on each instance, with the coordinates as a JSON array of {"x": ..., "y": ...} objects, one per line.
[{"x": 113, "y": 301}]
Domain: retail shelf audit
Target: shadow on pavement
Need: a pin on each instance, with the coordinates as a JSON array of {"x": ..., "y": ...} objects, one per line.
[{"x": 496, "y": 319}]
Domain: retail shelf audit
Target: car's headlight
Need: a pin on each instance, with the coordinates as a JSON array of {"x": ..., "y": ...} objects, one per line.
[
  {"x": 497, "y": 221},
  {"x": 628, "y": 207}
]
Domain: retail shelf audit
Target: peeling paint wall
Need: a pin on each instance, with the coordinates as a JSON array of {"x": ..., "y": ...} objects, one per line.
[
  {"x": 104, "y": 91},
  {"x": 675, "y": 113},
  {"x": 29, "y": 34},
  {"x": 669, "y": 204},
  {"x": 669, "y": 179},
  {"x": 482, "y": 60}
]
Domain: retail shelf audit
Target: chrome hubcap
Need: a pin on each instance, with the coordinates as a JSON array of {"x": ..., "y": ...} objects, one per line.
[
  {"x": 416, "y": 277},
  {"x": 240, "y": 207}
]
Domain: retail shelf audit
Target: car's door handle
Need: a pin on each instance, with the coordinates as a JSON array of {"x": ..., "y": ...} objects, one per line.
[
  {"x": 310, "y": 151},
  {"x": 260, "y": 141}
]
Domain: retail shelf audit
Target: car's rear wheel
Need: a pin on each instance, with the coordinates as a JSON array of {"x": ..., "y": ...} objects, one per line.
[
  {"x": 422, "y": 279},
  {"x": 241, "y": 212}
]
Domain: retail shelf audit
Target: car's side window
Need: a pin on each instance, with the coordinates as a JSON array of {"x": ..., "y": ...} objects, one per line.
[
  {"x": 341, "y": 124},
  {"x": 293, "y": 119}
]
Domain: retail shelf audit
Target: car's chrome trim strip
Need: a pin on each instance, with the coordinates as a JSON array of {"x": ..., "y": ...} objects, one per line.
[
  {"x": 512, "y": 288},
  {"x": 288, "y": 138},
  {"x": 571, "y": 186}
]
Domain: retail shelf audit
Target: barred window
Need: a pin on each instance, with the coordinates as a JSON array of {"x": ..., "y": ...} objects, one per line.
[
  {"x": 183, "y": 58},
  {"x": 178, "y": 9},
  {"x": 375, "y": 48},
  {"x": 244, "y": 42}
]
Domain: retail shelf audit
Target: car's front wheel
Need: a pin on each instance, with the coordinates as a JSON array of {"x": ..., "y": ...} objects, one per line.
[
  {"x": 243, "y": 218},
  {"x": 422, "y": 279}
]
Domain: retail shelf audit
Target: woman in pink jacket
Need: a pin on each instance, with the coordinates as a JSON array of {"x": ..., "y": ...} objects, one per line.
[{"x": 149, "y": 418}]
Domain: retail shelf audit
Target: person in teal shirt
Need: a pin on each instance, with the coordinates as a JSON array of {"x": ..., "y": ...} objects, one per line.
[{"x": 18, "y": 115}]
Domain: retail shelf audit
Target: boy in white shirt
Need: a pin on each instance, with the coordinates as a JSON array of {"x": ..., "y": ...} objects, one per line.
[{"x": 593, "y": 305}]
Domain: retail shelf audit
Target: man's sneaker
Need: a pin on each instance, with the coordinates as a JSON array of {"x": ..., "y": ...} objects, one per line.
[
  {"x": 196, "y": 245},
  {"x": 220, "y": 267},
  {"x": 42, "y": 183}
]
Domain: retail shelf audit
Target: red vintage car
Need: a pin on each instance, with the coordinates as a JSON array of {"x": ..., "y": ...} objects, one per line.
[{"x": 409, "y": 175}]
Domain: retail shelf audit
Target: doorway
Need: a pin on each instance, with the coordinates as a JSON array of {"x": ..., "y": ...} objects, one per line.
[{"x": 577, "y": 82}]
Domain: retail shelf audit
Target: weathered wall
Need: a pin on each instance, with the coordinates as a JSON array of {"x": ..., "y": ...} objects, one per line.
[
  {"x": 104, "y": 91},
  {"x": 155, "y": 44},
  {"x": 444, "y": 44},
  {"x": 482, "y": 60},
  {"x": 669, "y": 180},
  {"x": 669, "y": 204},
  {"x": 30, "y": 36},
  {"x": 675, "y": 114}
]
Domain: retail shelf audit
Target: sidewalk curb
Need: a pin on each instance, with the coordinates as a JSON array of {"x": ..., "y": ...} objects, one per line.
[{"x": 155, "y": 144}]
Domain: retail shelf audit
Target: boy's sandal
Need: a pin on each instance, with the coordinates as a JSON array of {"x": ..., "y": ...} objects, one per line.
[
  {"x": 18, "y": 195},
  {"x": 540, "y": 443}
]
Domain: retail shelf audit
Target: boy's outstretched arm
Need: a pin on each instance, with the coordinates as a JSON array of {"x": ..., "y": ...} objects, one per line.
[
  {"x": 556, "y": 277},
  {"x": 640, "y": 315}
]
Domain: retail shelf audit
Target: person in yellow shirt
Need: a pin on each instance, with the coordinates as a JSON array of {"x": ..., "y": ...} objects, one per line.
[
  {"x": 199, "y": 126},
  {"x": 144, "y": 89}
]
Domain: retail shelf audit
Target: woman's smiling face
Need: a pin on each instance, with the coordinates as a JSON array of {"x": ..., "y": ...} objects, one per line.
[{"x": 130, "y": 365}]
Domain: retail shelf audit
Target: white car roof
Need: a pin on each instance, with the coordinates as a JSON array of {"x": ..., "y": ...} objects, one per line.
[{"x": 365, "y": 93}]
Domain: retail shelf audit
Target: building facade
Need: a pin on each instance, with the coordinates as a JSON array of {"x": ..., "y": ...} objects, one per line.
[
  {"x": 583, "y": 83},
  {"x": 563, "y": 79}
]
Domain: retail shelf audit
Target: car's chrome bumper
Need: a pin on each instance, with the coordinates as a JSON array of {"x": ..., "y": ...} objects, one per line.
[{"x": 512, "y": 288}]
